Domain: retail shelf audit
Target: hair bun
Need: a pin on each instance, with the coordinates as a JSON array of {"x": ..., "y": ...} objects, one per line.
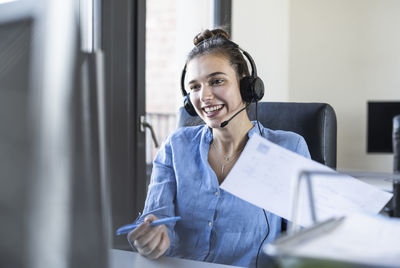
[{"x": 207, "y": 34}]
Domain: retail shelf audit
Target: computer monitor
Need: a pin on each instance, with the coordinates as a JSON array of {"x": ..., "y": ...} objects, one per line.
[
  {"x": 380, "y": 124},
  {"x": 16, "y": 30},
  {"x": 40, "y": 131}
]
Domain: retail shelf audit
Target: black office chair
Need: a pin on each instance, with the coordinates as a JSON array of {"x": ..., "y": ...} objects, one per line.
[{"x": 316, "y": 122}]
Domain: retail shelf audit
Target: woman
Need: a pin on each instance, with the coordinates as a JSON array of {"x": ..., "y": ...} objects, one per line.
[{"x": 193, "y": 161}]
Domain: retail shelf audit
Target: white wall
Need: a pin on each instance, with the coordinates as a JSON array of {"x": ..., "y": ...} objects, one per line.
[
  {"x": 261, "y": 28},
  {"x": 346, "y": 52},
  {"x": 343, "y": 52}
]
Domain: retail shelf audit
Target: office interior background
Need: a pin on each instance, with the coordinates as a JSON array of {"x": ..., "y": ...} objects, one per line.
[
  {"x": 344, "y": 53},
  {"x": 341, "y": 52}
]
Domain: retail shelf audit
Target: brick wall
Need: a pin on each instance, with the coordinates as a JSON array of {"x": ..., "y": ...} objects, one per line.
[{"x": 161, "y": 68}]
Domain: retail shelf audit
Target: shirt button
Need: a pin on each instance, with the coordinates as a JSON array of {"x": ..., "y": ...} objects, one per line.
[
  {"x": 209, "y": 223},
  {"x": 216, "y": 193}
]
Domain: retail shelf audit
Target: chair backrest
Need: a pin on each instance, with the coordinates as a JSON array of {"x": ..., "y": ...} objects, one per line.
[{"x": 316, "y": 122}]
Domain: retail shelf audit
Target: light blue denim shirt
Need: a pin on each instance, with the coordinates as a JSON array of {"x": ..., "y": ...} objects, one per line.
[{"x": 216, "y": 226}]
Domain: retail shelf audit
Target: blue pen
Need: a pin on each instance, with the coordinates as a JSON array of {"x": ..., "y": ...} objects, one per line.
[{"x": 127, "y": 228}]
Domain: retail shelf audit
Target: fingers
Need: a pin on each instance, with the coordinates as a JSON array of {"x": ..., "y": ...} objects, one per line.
[
  {"x": 149, "y": 247},
  {"x": 142, "y": 229},
  {"x": 150, "y": 218},
  {"x": 139, "y": 231},
  {"x": 162, "y": 246},
  {"x": 151, "y": 242}
]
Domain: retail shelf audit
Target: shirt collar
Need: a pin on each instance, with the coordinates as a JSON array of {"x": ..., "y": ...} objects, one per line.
[{"x": 254, "y": 129}]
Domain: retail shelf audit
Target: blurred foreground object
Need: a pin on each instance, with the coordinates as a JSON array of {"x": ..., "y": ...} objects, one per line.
[
  {"x": 396, "y": 165},
  {"x": 52, "y": 158}
]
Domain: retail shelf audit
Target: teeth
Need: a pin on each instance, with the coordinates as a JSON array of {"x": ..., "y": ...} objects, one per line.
[{"x": 212, "y": 109}]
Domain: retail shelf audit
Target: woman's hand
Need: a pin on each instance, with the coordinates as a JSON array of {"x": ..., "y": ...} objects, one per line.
[{"x": 151, "y": 242}]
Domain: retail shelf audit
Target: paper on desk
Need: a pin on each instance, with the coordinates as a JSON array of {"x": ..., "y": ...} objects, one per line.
[
  {"x": 266, "y": 175},
  {"x": 360, "y": 238}
]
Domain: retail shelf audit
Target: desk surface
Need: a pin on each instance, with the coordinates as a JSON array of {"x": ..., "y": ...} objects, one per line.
[{"x": 128, "y": 259}]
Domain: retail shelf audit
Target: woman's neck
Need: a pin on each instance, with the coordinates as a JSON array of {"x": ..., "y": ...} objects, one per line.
[{"x": 232, "y": 137}]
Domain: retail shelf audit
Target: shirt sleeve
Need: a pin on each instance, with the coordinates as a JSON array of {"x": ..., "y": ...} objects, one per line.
[
  {"x": 302, "y": 148},
  {"x": 160, "y": 200}
]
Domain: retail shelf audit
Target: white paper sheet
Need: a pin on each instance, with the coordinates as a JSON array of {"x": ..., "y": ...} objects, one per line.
[{"x": 266, "y": 176}]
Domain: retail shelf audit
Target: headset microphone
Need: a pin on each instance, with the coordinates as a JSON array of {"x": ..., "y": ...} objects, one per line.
[{"x": 223, "y": 124}]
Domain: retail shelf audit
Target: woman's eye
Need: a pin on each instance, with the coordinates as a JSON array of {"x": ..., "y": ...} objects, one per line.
[
  {"x": 194, "y": 87},
  {"x": 216, "y": 82}
]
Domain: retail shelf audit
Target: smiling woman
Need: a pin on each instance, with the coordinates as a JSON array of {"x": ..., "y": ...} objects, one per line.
[{"x": 216, "y": 226}]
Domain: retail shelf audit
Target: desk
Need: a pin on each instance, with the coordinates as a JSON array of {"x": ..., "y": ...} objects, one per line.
[{"x": 130, "y": 259}]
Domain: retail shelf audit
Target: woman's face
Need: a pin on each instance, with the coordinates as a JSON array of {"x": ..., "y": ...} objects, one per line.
[{"x": 214, "y": 89}]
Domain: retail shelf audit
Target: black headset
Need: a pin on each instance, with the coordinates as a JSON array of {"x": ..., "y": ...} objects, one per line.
[{"x": 251, "y": 87}]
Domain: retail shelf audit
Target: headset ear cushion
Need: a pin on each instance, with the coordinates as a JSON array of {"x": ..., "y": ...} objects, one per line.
[
  {"x": 188, "y": 105},
  {"x": 257, "y": 89},
  {"x": 251, "y": 89},
  {"x": 245, "y": 89}
]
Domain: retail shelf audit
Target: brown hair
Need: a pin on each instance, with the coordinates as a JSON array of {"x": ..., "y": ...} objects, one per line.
[{"x": 217, "y": 41}]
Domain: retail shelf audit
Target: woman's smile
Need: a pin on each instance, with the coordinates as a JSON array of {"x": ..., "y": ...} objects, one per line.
[{"x": 212, "y": 110}]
